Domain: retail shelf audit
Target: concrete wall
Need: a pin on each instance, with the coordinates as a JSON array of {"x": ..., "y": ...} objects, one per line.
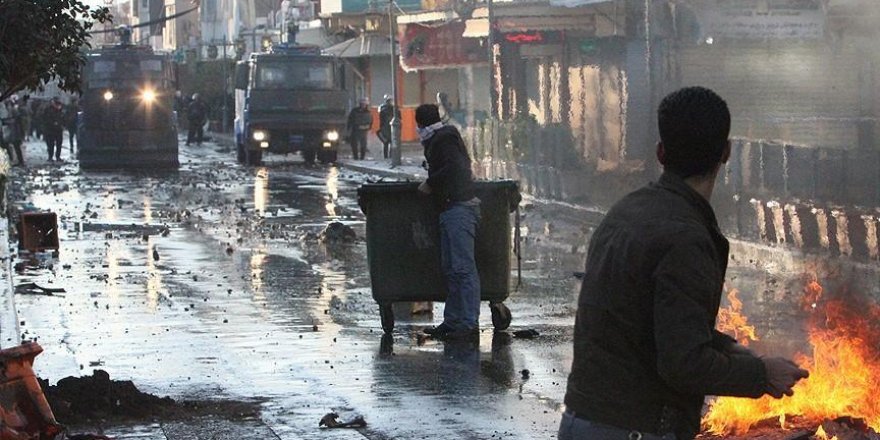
[
  {"x": 805, "y": 170},
  {"x": 806, "y": 93}
]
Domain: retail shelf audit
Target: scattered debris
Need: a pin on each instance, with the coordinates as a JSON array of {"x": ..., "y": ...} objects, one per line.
[
  {"x": 337, "y": 232},
  {"x": 525, "y": 373},
  {"x": 88, "y": 437},
  {"x": 35, "y": 289},
  {"x": 526, "y": 334},
  {"x": 330, "y": 421},
  {"x": 77, "y": 401}
]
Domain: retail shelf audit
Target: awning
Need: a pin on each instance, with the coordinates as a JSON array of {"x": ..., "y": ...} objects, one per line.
[
  {"x": 479, "y": 27},
  {"x": 576, "y": 3},
  {"x": 367, "y": 45},
  {"x": 581, "y": 17},
  {"x": 427, "y": 17}
]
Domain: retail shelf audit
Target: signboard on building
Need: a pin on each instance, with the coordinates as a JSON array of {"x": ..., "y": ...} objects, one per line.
[
  {"x": 439, "y": 47},
  {"x": 760, "y": 19},
  {"x": 379, "y": 5}
]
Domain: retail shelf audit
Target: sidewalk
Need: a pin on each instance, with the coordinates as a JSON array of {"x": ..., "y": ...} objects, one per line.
[
  {"x": 9, "y": 333},
  {"x": 410, "y": 167},
  {"x": 9, "y": 328}
]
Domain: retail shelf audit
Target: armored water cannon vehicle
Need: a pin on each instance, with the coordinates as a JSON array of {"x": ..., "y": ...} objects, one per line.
[
  {"x": 291, "y": 98},
  {"x": 126, "y": 118}
]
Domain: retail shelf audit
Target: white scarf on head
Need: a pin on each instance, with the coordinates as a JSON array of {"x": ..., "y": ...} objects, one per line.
[{"x": 425, "y": 133}]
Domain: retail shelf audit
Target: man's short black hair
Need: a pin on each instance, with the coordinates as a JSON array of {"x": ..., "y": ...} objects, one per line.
[
  {"x": 694, "y": 126},
  {"x": 427, "y": 114}
]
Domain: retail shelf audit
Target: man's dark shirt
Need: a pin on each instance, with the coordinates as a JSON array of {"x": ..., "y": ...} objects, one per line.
[
  {"x": 449, "y": 166},
  {"x": 53, "y": 119},
  {"x": 197, "y": 112},
  {"x": 360, "y": 119},
  {"x": 645, "y": 349},
  {"x": 386, "y": 114}
]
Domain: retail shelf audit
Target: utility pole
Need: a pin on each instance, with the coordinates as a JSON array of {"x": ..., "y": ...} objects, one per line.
[
  {"x": 490, "y": 41},
  {"x": 395, "y": 120},
  {"x": 225, "y": 88}
]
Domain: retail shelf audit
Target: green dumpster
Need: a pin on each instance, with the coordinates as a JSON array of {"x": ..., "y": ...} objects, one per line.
[{"x": 403, "y": 245}]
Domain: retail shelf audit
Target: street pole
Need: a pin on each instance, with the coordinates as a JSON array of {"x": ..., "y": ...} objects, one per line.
[
  {"x": 490, "y": 41},
  {"x": 395, "y": 120},
  {"x": 225, "y": 89}
]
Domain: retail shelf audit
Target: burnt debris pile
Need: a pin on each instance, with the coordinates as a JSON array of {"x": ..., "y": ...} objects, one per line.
[{"x": 96, "y": 397}]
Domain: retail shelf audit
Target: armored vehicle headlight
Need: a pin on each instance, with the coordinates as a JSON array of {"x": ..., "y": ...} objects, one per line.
[
  {"x": 260, "y": 135},
  {"x": 331, "y": 135},
  {"x": 108, "y": 95}
]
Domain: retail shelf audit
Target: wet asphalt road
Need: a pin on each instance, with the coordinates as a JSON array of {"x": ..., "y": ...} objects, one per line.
[{"x": 210, "y": 283}]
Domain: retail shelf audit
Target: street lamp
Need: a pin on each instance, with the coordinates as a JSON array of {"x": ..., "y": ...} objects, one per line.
[{"x": 395, "y": 120}]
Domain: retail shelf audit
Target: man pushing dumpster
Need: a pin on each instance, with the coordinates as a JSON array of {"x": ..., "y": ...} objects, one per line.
[{"x": 450, "y": 182}]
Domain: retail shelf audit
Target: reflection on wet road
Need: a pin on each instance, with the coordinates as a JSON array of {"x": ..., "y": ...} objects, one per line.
[{"x": 210, "y": 282}]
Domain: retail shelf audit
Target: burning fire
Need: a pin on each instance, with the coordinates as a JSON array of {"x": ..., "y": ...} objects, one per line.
[
  {"x": 822, "y": 435},
  {"x": 732, "y": 321},
  {"x": 844, "y": 369}
]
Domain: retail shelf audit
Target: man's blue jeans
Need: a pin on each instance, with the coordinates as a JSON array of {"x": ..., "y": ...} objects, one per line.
[
  {"x": 458, "y": 227},
  {"x": 573, "y": 428}
]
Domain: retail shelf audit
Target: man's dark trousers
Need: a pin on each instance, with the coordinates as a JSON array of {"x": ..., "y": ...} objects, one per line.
[
  {"x": 54, "y": 138},
  {"x": 195, "y": 133},
  {"x": 358, "y": 144}
]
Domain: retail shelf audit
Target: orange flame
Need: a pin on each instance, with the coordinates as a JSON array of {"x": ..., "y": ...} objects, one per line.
[
  {"x": 733, "y": 322},
  {"x": 844, "y": 372},
  {"x": 822, "y": 435}
]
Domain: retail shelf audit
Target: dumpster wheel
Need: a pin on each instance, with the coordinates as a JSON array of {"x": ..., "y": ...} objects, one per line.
[
  {"x": 500, "y": 316},
  {"x": 386, "y": 314}
]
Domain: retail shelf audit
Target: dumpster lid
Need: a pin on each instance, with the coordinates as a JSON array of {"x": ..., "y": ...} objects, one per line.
[{"x": 392, "y": 187}]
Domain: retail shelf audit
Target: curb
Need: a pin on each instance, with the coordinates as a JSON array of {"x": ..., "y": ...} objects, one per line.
[
  {"x": 10, "y": 335},
  {"x": 379, "y": 169},
  {"x": 399, "y": 173}
]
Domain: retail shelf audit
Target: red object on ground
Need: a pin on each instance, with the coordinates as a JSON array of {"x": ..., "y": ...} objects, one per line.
[{"x": 24, "y": 412}]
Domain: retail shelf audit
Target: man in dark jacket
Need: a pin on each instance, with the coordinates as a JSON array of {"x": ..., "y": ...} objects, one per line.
[
  {"x": 70, "y": 122},
  {"x": 359, "y": 122},
  {"x": 196, "y": 114},
  {"x": 450, "y": 180},
  {"x": 53, "y": 128},
  {"x": 13, "y": 130},
  {"x": 386, "y": 114},
  {"x": 645, "y": 349}
]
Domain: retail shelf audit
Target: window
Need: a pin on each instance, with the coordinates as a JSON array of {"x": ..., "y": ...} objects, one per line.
[
  {"x": 104, "y": 67},
  {"x": 295, "y": 75},
  {"x": 151, "y": 65}
]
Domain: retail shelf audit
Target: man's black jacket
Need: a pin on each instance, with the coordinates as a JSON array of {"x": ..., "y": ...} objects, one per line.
[
  {"x": 449, "y": 166},
  {"x": 646, "y": 351}
]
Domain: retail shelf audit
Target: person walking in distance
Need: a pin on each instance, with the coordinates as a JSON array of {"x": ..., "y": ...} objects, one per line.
[
  {"x": 70, "y": 121},
  {"x": 197, "y": 114},
  {"x": 450, "y": 182},
  {"x": 359, "y": 122},
  {"x": 13, "y": 129},
  {"x": 645, "y": 349},
  {"x": 53, "y": 128},
  {"x": 27, "y": 116},
  {"x": 387, "y": 112}
]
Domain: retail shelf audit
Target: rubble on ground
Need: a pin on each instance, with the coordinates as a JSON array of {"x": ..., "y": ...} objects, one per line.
[
  {"x": 82, "y": 400},
  {"x": 337, "y": 232}
]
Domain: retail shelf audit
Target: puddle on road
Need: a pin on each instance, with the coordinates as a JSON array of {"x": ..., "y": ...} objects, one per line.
[{"x": 237, "y": 302}]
